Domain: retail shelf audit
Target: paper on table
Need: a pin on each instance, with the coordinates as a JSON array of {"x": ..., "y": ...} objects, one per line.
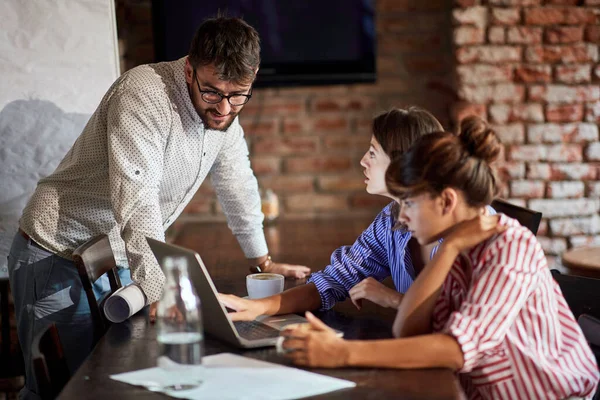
[
  {"x": 123, "y": 303},
  {"x": 229, "y": 376}
]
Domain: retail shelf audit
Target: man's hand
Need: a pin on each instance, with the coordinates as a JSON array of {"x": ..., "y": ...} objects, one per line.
[
  {"x": 245, "y": 309},
  {"x": 377, "y": 292},
  {"x": 289, "y": 270},
  {"x": 152, "y": 314}
]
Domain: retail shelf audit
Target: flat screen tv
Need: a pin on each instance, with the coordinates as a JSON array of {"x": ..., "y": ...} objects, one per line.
[{"x": 303, "y": 42}]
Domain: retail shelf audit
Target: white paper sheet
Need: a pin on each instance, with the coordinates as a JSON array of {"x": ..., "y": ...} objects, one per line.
[
  {"x": 123, "y": 303},
  {"x": 229, "y": 376}
]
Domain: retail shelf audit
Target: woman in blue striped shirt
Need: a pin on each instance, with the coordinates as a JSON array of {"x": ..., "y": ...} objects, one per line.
[{"x": 383, "y": 249}]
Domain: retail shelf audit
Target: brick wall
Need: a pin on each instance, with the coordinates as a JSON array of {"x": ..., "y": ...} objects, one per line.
[
  {"x": 306, "y": 143},
  {"x": 531, "y": 68}
]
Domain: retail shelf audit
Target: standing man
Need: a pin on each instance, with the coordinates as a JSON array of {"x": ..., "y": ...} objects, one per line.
[{"x": 158, "y": 132}]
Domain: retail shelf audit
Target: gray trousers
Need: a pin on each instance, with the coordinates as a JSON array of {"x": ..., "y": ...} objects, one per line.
[{"x": 47, "y": 289}]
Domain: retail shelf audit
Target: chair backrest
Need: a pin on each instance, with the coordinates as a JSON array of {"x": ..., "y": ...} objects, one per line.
[
  {"x": 49, "y": 363},
  {"x": 528, "y": 218},
  {"x": 581, "y": 293},
  {"x": 93, "y": 259}
]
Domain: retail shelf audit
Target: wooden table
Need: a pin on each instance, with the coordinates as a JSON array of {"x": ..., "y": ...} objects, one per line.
[
  {"x": 582, "y": 261},
  {"x": 132, "y": 345}
]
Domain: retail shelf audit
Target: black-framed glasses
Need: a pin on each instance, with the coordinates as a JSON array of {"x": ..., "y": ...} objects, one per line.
[{"x": 212, "y": 97}]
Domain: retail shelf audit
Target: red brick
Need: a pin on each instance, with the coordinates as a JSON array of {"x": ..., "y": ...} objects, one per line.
[
  {"x": 318, "y": 164},
  {"x": 564, "y": 112},
  {"x": 347, "y": 143},
  {"x": 510, "y": 170},
  {"x": 462, "y": 109},
  {"x": 597, "y": 72},
  {"x": 565, "y": 133},
  {"x": 288, "y": 145},
  {"x": 527, "y": 189},
  {"x": 564, "y": 34},
  {"x": 543, "y": 228},
  {"x": 503, "y": 113},
  {"x": 566, "y": 54},
  {"x": 592, "y": 34},
  {"x": 538, "y": 171},
  {"x": 392, "y": 44},
  {"x": 584, "y": 241},
  {"x": 564, "y": 208},
  {"x": 573, "y": 73},
  {"x": 342, "y": 183},
  {"x": 523, "y": 35},
  {"x": 564, "y": 94},
  {"x": 346, "y": 103},
  {"x": 315, "y": 202},
  {"x": 199, "y": 205},
  {"x": 575, "y": 226},
  {"x": 510, "y": 133},
  {"x": 466, "y": 3},
  {"x": 524, "y": 3},
  {"x": 274, "y": 106},
  {"x": 365, "y": 200},
  {"x": 533, "y": 73},
  {"x": 288, "y": 184},
  {"x": 527, "y": 153},
  {"x": 259, "y": 127},
  {"x": 488, "y": 54},
  {"x": 565, "y": 189},
  {"x": 592, "y": 152},
  {"x": 572, "y": 171},
  {"x": 592, "y": 112},
  {"x": 330, "y": 124},
  {"x": 505, "y": 16},
  {"x": 559, "y": 15},
  {"x": 468, "y": 35},
  {"x": 563, "y": 2},
  {"x": 481, "y": 74},
  {"x": 565, "y": 152},
  {"x": 501, "y": 93},
  {"x": 496, "y": 34},
  {"x": 592, "y": 2},
  {"x": 477, "y": 16},
  {"x": 593, "y": 189},
  {"x": 553, "y": 246},
  {"x": 265, "y": 165}
]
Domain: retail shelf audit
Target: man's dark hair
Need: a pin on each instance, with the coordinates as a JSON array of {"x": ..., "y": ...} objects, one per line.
[{"x": 231, "y": 45}]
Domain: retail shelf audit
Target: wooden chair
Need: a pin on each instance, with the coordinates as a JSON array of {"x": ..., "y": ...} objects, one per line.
[
  {"x": 93, "y": 259},
  {"x": 528, "y": 218},
  {"x": 49, "y": 363}
]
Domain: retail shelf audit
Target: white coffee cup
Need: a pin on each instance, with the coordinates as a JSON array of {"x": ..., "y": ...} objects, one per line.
[{"x": 264, "y": 285}]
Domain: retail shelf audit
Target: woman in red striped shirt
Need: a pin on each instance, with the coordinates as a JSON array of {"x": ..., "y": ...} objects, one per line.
[{"x": 486, "y": 304}]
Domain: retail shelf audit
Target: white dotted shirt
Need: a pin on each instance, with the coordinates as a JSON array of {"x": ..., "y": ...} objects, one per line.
[{"x": 137, "y": 164}]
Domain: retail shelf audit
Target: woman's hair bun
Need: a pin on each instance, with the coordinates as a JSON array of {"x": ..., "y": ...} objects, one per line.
[{"x": 479, "y": 140}]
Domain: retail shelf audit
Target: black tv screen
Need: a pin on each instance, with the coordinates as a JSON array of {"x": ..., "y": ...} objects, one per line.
[{"x": 303, "y": 42}]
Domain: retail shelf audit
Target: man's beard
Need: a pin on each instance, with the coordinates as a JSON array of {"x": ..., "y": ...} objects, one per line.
[{"x": 209, "y": 124}]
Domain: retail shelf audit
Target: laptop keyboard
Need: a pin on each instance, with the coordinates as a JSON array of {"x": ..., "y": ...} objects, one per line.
[{"x": 254, "y": 330}]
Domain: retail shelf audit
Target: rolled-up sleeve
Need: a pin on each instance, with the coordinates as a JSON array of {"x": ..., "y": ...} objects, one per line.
[
  {"x": 136, "y": 132},
  {"x": 495, "y": 297},
  {"x": 367, "y": 257},
  {"x": 237, "y": 191}
]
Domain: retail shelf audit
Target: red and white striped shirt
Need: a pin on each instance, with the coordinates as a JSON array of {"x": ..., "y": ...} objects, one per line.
[{"x": 516, "y": 331}]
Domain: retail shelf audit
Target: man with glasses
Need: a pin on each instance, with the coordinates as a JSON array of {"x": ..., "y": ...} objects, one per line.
[{"x": 159, "y": 131}]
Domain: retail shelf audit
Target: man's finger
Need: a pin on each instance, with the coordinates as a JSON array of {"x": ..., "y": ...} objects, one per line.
[{"x": 240, "y": 316}]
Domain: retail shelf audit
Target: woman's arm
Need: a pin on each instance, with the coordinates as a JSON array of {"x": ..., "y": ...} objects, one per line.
[{"x": 416, "y": 308}]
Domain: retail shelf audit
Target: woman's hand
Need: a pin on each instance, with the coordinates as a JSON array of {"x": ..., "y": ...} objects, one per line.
[
  {"x": 469, "y": 233},
  {"x": 315, "y": 347},
  {"x": 245, "y": 309},
  {"x": 375, "y": 291}
]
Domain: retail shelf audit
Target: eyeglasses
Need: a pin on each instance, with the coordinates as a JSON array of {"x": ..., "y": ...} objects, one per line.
[{"x": 212, "y": 97}]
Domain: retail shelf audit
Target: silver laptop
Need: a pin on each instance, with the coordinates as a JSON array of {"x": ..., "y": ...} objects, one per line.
[{"x": 259, "y": 333}]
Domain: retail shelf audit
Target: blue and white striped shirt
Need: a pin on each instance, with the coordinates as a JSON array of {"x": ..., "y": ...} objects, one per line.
[{"x": 378, "y": 252}]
